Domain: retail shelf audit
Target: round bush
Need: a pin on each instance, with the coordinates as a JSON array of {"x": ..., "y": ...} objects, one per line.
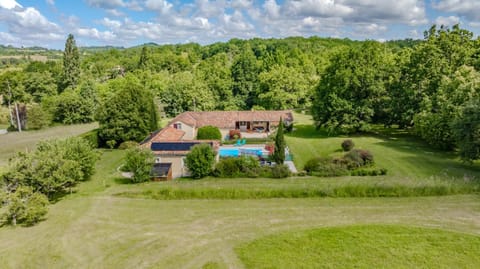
[
  {"x": 245, "y": 166},
  {"x": 347, "y": 145},
  {"x": 358, "y": 157},
  {"x": 353, "y": 159},
  {"x": 280, "y": 171},
  {"x": 209, "y": 133},
  {"x": 128, "y": 145}
]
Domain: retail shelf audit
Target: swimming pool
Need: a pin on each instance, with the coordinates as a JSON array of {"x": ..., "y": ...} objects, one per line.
[{"x": 236, "y": 152}]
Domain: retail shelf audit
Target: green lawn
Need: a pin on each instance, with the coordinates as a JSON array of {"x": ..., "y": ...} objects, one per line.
[
  {"x": 364, "y": 247},
  {"x": 92, "y": 228},
  {"x": 97, "y": 228},
  {"x": 14, "y": 141},
  {"x": 403, "y": 155}
]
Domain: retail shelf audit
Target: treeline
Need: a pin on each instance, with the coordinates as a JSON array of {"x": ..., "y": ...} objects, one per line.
[
  {"x": 348, "y": 85},
  {"x": 431, "y": 87}
]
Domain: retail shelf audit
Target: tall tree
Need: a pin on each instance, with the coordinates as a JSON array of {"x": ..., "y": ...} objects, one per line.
[
  {"x": 130, "y": 114},
  {"x": 144, "y": 58},
  {"x": 245, "y": 77},
  {"x": 71, "y": 64},
  {"x": 200, "y": 160},
  {"x": 279, "y": 153},
  {"x": 353, "y": 88},
  {"x": 283, "y": 88},
  {"x": 466, "y": 130}
]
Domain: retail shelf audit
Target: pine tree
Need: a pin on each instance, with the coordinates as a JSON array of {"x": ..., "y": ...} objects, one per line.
[
  {"x": 279, "y": 153},
  {"x": 71, "y": 64}
]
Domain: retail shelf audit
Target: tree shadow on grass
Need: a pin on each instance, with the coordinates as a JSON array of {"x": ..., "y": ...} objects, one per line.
[
  {"x": 307, "y": 131},
  {"x": 122, "y": 181}
]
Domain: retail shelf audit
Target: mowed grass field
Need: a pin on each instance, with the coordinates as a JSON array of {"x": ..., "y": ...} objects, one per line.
[
  {"x": 97, "y": 228},
  {"x": 371, "y": 246},
  {"x": 405, "y": 156}
]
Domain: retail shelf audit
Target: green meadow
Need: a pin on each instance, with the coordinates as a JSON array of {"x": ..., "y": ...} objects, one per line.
[{"x": 427, "y": 205}]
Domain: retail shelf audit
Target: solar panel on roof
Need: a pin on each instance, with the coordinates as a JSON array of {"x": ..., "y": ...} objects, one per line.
[{"x": 173, "y": 146}]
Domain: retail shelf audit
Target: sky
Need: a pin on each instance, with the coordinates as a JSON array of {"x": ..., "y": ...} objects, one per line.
[{"x": 126, "y": 23}]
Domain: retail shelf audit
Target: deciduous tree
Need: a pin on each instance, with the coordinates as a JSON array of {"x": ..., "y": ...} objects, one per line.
[
  {"x": 130, "y": 114},
  {"x": 200, "y": 160}
]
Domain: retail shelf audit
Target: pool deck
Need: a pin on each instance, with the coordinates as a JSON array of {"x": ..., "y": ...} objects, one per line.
[
  {"x": 290, "y": 164},
  {"x": 246, "y": 146}
]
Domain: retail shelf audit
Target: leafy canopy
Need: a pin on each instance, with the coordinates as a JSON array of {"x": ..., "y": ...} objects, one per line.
[{"x": 200, "y": 160}]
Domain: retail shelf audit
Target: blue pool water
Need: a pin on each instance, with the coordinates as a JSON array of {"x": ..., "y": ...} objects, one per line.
[{"x": 235, "y": 152}]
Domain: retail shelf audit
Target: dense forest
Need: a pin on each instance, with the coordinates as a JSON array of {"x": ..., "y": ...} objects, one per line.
[{"x": 430, "y": 86}]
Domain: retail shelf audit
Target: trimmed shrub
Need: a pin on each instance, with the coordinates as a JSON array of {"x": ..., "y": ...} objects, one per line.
[
  {"x": 326, "y": 167},
  {"x": 111, "y": 144},
  {"x": 366, "y": 156},
  {"x": 365, "y": 172},
  {"x": 383, "y": 171},
  {"x": 24, "y": 206},
  {"x": 245, "y": 166},
  {"x": 91, "y": 137},
  {"x": 331, "y": 170},
  {"x": 280, "y": 171},
  {"x": 358, "y": 157},
  {"x": 348, "y": 145},
  {"x": 227, "y": 167},
  {"x": 353, "y": 159},
  {"x": 37, "y": 118},
  {"x": 315, "y": 164},
  {"x": 302, "y": 173},
  {"x": 209, "y": 133},
  {"x": 128, "y": 145}
]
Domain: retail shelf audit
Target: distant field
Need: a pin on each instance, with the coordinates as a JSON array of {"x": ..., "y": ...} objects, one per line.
[
  {"x": 14, "y": 141},
  {"x": 40, "y": 58}
]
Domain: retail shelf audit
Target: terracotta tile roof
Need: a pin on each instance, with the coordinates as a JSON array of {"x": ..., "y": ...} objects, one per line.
[
  {"x": 165, "y": 134},
  {"x": 227, "y": 119}
]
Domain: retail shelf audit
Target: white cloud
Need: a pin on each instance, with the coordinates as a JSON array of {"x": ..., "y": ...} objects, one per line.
[
  {"x": 110, "y": 23},
  {"x": 106, "y": 4},
  {"x": 96, "y": 34},
  {"x": 369, "y": 29},
  {"x": 115, "y": 12},
  {"x": 134, "y": 5},
  {"x": 272, "y": 9},
  {"x": 241, "y": 4},
  {"x": 50, "y": 2},
  {"x": 317, "y": 8},
  {"x": 414, "y": 34},
  {"x": 447, "y": 21},
  {"x": 26, "y": 21},
  {"x": 235, "y": 23},
  {"x": 9, "y": 4},
  {"x": 209, "y": 8},
  {"x": 470, "y": 9},
  {"x": 161, "y": 6},
  {"x": 411, "y": 12}
]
